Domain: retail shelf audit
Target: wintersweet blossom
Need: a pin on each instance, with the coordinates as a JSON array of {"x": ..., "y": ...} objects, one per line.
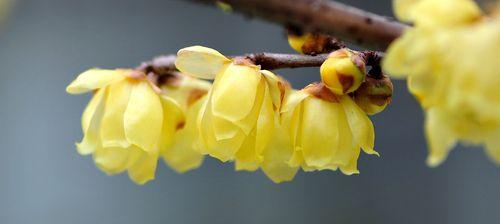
[
  {"x": 237, "y": 120},
  {"x": 326, "y": 130},
  {"x": 450, "y": 58}
]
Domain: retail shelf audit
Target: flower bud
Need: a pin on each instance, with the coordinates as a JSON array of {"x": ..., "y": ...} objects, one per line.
[
  {"x": 374, "y": 94},
  {"x": 313, "y": 44},
  {"x": 343, "y": 71}
]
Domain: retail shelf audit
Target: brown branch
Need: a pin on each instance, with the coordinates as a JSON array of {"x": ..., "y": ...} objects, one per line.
[
  {"x": 345, "y": 22},
  {"x": 165, "y": 65}
]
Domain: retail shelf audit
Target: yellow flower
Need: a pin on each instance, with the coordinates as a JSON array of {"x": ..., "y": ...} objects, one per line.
[
  {"x": 343, "y": 71},
  {"x": 122, "y": 123},
  {"x": 451, "y": 61},
  {"x": 237, "y": 120},
  {"x": 327, "y": 130},
  {"x": 187, "y": 94}
]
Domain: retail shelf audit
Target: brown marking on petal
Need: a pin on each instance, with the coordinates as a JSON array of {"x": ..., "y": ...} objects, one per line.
[
  {"x": 180, "y": 125},
  {"x": 359, "y": 62},
  {"x": 346, "y": 81},
  {"x": 194, "y": 95},
  {"x": 320, "y": 91},
  {"x": 377, "y": 91},
  {"x": 173, "y": 79}
]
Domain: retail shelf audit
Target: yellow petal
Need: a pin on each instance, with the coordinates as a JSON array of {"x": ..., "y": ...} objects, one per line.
[
  {"x": 292, "y": 100},
  {"x": 235, "y": 91},
  {"x": 493, "y": 148},
  {"x": 246, "y": 157},
  {"x": 276, "y": 87},
  {"x": 346, "y": 146},
  {"x": 142, "y": 165},
  {"x": 182, "y": 155},
  {"x": 439, "y": 137},
  {"x": 403, "y": 8},
  {"x": 248, "y": 123},
  {"x": 265, "y": 124},
  {"x": 112, "y": 160},
  {"x": 173, "y": 117},
  {"x": 361, "y": 126},
  {"x": 352, "y": 165},
  {"x": 276, "y": 156},
  {"x": 143, "y": 117},
  {"x": 320, "y": 131},
  {"x": 112, "y": 125},
  {"x": 201, "y": 62},
  {"x": 94, "y": 79},
  {"x": 223, "y": 150},
  {"x": 91, "y": 121}
]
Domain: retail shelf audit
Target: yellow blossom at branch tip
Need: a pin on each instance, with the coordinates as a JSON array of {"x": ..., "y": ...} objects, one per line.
[
  {"x": 343, "y": 71},
  {"x": 450, "y": 58}
]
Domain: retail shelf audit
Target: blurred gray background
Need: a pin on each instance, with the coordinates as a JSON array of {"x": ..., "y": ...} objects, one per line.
[{"x": 46, "y": 43}]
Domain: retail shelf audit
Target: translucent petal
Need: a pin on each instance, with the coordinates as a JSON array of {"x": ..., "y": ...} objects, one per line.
[
  {"x": 320, "y": 131},
  {"x": 292, "y": 100},
  {"x": 352, "y": 165},
  {"x": 143, "y": 117},
  {"x": 277, "y": 155},
  {"x": 91, "y": 121},
  {"x": 94, "y": 79},
  {"x": 112, "y": 160},
  {"x": 346, "y": 146},
  {"x": 112, "y": 125},
  {"x": 439, "y": 137},
  {"x": 235, "y": 91},
  {"x": 246, "y": 157},
  {"x": 142, "y": 165},
  {"x": 361, "y": 126},
  {"x": 181, "y": 155},
  {"x": 276, "y": 87},
  {"x": 265, "y": 124},
  {"x": 223, "y": 150},
  {"x": 173, "y": 117},
  {"x": 248, "y": 123},
  {"x": 201, "y": 62}
]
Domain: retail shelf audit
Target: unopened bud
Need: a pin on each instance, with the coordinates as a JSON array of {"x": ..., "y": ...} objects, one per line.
[
  {"x": 313, "y": 44},
  {"x": 374, "y": 95},
  {"x": 343, "y": 71}
]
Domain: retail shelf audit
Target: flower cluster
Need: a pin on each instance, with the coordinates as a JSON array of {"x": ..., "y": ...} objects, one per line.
[
  {"x": 450, "y": 57},
  {"x": 247, "y": 115}
]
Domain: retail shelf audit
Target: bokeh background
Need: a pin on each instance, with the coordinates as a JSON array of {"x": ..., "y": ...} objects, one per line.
[{"x": 45, "y": 43}]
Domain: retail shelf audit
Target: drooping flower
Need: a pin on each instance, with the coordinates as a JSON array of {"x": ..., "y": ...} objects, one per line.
[
  {"x": 188, "y": 95},
  {"x": 450, "y": 58},
  {"x": 123, "y": 122},
  {"x": 237, "y": 120},
  {"x": 326, "y": 130}
]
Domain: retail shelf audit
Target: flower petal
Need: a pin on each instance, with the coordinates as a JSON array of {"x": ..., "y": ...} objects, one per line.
[
  {"x": 94, "y": 79},
  {"x": 439, "y": 137},
  {"x": 346, "y": 146},
  {"x": 91, "y": 122},
  {"x": 182, "y": 155},
  {"x": 235, "y": 91},
  {"x": 112, "y": 160},
  {"x": 320, "y": 131},
  {"x": 112, "y": 124},
  {"x": 142, "y": 165},
  {"x": 143, "y": 117},
  {"x": 201, "y": 62},
  {"x": 276, "y": 156},
  {"x": 361, "y": 126},
  {"x": 173, "y": 117}
]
